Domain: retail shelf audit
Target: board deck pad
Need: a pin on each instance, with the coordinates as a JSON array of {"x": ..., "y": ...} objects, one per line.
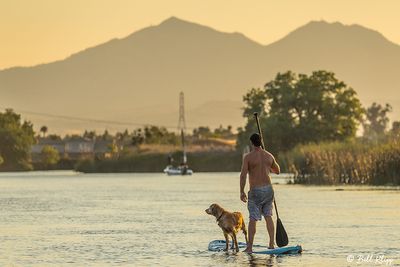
[{"x": 219, "y": 245}]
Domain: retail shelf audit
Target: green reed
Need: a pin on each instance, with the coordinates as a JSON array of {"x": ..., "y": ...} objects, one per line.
[{"x": 353, "y": 162}]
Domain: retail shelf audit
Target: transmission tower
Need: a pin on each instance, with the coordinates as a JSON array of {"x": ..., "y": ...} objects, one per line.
[{"x": 182, "y": 122}]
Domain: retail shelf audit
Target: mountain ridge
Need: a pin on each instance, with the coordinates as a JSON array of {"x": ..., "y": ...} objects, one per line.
[
  {"x": 152, "y": 65},
  {"x": 175, "y": 20}
]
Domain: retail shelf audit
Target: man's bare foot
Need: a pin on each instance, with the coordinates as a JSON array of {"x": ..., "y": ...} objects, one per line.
[
  {"x": 248, "y": 250},
  {"x": 271, "y": 246}
]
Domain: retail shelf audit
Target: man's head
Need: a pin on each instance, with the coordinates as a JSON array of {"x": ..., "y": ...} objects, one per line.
[{"x": 255, "y": 139}]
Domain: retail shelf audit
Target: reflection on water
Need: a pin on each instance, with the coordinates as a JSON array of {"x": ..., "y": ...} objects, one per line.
[{"x": 63, "y": 218}]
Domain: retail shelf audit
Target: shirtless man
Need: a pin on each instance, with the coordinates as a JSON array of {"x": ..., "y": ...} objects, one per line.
[{"x": 258, "y": 164}]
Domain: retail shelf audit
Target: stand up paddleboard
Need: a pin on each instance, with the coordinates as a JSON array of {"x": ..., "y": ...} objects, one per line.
[{"x": 219, "y": 245}]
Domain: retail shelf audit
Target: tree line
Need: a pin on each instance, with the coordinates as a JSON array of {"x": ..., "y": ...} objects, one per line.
[
  {"x": 311, "y": 123},
  {"x": 300, "y": 109},
  {"x": 17, "y": 138}
]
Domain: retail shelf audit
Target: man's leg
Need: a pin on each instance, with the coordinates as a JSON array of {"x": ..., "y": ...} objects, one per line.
[
  {"x": 271, "y": 230},
  {"x": 252, "y": 232}
]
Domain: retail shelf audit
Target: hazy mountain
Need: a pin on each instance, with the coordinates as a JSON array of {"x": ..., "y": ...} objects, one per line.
[
  {"x": 138, "y": 78},
  {"x": 363, "y": 58}
]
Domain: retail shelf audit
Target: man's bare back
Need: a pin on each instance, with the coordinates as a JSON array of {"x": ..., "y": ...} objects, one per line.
[{"x": 258, "y": 164}]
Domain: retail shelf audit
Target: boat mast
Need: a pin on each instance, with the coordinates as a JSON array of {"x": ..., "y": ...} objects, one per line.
[
  {"x": 182, "y": 124},
  {"x": 183, "y": 147}
]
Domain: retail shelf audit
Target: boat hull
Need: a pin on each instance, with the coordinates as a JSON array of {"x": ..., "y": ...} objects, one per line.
[{"x": 177, "y": 171}]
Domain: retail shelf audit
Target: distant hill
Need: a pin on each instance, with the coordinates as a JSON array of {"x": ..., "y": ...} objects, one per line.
[{"x": 138, "y": 78}]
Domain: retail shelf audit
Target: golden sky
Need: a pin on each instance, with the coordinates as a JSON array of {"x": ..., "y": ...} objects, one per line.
[{"x": 40, "y": 31}]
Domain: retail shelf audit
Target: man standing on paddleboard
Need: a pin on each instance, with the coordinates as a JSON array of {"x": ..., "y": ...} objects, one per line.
[{"x": 258, "y": 164}]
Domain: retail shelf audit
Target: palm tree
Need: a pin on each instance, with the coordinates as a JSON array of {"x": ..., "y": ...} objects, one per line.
[{"x": 43, "y": 130}]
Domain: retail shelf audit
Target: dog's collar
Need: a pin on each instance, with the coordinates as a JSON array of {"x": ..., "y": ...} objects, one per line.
[{"x": 220, "y": 216}]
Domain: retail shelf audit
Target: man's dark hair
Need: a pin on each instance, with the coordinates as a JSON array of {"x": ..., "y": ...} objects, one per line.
[{"x": 255, "y": 139}]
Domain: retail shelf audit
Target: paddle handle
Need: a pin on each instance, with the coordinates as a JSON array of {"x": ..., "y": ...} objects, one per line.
[{"x": 263, "y": 147}]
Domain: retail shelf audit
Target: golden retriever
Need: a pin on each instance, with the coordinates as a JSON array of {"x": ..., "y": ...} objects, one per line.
[{"x": 230, "y": 223}]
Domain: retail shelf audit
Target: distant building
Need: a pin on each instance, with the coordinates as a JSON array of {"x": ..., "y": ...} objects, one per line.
[
  {"x": 104, "y": 148},
  {"x": 59, "y": 145},
  {"x": 77, "y": 147},
  {"x": 36, "y": 150}
]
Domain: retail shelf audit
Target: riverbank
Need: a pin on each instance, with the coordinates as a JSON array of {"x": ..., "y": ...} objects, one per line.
[
  {"x": 336, "y": 163},
  {"x": 216, "y": 161}
]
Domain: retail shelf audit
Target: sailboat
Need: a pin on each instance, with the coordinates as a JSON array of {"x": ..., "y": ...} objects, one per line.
[{"x": 183, "y": 168}]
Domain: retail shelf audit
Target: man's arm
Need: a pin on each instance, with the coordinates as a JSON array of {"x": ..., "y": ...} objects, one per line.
[
  {"x": 243, "y": 177},
  {"x": 275, "y": 166}
]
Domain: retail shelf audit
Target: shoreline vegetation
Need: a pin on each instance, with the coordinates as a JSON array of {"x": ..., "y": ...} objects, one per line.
[
  {"x": 352, "y": 162},
  {"x": 218, "y": 161},
  {"x": 309, "y": 123}
]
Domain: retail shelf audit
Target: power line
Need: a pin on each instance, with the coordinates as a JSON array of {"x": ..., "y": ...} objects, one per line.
[{"x": 65, "y": 117}]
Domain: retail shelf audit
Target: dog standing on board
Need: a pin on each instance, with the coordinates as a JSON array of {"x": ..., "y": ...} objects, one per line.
[{"x": 230, "y": 223}]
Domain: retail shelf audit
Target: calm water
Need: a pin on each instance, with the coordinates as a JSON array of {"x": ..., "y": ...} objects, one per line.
[{"x": 67, "y": 219}]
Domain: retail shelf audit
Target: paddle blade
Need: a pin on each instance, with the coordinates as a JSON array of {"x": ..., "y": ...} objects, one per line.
[{"x": 281, "y": 235}]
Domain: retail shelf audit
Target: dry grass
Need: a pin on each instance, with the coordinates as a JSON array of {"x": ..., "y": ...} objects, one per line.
[
  {"x": 191, "y": 148},
  {"x": 350, "y": 163}
]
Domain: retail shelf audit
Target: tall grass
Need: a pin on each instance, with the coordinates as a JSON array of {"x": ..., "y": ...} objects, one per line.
[{"x": 349, "y": 162}]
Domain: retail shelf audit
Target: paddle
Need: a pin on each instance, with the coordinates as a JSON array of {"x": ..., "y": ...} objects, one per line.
[{"x": 281, "y": 235}]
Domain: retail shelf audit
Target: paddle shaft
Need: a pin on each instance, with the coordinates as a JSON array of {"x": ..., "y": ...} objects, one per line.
[{"x": 263, "y": 147}]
